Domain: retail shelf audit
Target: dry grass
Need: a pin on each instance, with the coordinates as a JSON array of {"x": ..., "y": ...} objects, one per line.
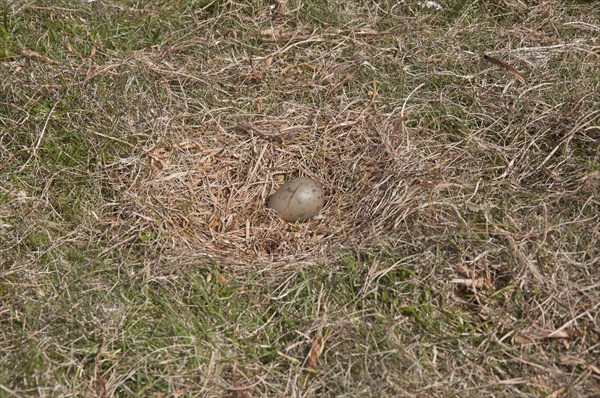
[{"x": 459, "y": 251}]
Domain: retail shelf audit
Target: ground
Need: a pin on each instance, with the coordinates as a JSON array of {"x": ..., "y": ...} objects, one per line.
[{"x": 458, "y": 145}]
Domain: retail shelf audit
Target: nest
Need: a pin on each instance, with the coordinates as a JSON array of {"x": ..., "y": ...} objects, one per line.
[{"x": 207, "y": 193}]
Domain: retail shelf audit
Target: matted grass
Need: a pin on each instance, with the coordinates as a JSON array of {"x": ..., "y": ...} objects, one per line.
[{"x": 458, "y": 255}]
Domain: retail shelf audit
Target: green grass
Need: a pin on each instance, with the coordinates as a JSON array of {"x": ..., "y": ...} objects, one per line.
[{"x": 136, "y": 255}]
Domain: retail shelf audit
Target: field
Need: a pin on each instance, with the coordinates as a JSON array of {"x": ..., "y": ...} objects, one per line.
[{"x": 458, "y": 143}]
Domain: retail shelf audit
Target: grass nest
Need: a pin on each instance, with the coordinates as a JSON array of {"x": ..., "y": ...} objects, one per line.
[{"x": 207, "y": 192}]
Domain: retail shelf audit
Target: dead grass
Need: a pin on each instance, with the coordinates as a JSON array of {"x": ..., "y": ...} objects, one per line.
[{"x": 459, "y": 250}]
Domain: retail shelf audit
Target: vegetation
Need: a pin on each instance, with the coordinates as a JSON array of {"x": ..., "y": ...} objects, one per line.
[{"x": 458, "y": 254}]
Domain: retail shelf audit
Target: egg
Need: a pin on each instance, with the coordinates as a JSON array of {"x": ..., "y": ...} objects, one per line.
[{"x": 299, "y": 199}]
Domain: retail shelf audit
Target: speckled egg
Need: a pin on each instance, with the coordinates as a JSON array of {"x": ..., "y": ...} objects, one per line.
[{"x": 299, "y": 199}]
